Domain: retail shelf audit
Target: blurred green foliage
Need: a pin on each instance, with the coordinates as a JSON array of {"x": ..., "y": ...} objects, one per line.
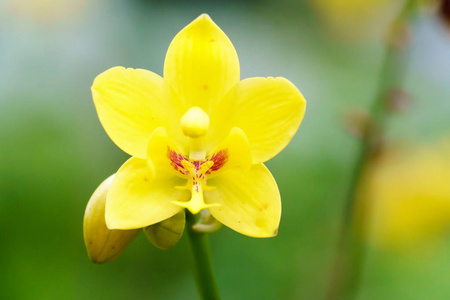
[{"x": 54, "y": 152}]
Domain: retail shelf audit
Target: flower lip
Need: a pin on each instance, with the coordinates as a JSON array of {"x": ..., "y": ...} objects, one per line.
[
  {"x": 196, "y": 171},
  {"x": 179, "y": 162}
]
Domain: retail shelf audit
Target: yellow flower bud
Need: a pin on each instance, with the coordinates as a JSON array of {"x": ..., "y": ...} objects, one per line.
[
  {"x": 167, "y": 233},
  {"x": 103, "y": 244},
  {"x": 195, "y": 122}
]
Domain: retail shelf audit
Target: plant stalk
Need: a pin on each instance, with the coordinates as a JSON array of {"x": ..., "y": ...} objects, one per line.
[
  {"x": 351, "y": 249},
  {"x": 202, "y": 265}
]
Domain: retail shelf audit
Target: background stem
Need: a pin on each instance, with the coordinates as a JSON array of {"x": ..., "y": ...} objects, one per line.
[{"x": 351, "y": 252}]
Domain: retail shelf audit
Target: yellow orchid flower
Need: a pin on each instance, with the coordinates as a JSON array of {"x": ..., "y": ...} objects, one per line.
[{"x": 198, "y": 136}]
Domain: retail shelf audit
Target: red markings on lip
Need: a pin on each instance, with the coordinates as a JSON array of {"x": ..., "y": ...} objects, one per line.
[
  {"x": 175, "y": 161},
  {"x": 219, "y": 158}
]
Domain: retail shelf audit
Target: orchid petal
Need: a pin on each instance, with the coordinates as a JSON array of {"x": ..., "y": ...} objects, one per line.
[
  {"x": 201, "y": 63},
  {"x": 131, "y": 103},
  {"x": 138, "y": 199},
  {"x": 249, "y": 201},
  {"x": 232, "y": 153},
  {"x": 268, "y": 110}
]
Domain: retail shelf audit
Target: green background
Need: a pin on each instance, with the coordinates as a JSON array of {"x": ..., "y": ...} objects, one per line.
[{"x": 54, "y": 152}]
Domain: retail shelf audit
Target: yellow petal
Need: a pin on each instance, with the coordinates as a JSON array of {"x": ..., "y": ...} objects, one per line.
[
  {"x": 131, "y": 103},
  {"x": 160, "y": 149},
  {"x": 201, "y": 63},
  {"x": 249, "y": 201},
  {"x": 138, "y": 199},
  {"x": 103, "y": 244},
  {"x": 236, "y": 151},
  {"x": 167, "y": 233},
  {"x": 268, "y": 110}
]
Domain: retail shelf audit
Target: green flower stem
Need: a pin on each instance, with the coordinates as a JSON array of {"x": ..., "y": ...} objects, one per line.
[
  {"x": 204, "y": 275},
  {"x": 351, "y": 253}
]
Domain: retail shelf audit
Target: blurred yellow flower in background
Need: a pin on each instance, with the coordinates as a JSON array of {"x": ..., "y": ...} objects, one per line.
[
  {"x": 356, "y": 19},
  {"x": 198, "y": 136},
  {"x": 405, "y": 194}
]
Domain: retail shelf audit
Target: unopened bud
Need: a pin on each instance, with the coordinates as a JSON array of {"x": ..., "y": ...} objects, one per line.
[
  {"x": 167, "y": 233},
  {"x": 195, "y": 122},
  {"x": 206, "y": 223},
  {"x": 103, "y": 244}
]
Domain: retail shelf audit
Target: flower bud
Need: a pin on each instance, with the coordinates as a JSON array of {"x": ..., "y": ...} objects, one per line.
[
  {"x": 167, "y": 233},
  {"x": 206, "y": 223},
  {"x": 103, "y": 244},
  {"x": 195, "y": 122}
]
